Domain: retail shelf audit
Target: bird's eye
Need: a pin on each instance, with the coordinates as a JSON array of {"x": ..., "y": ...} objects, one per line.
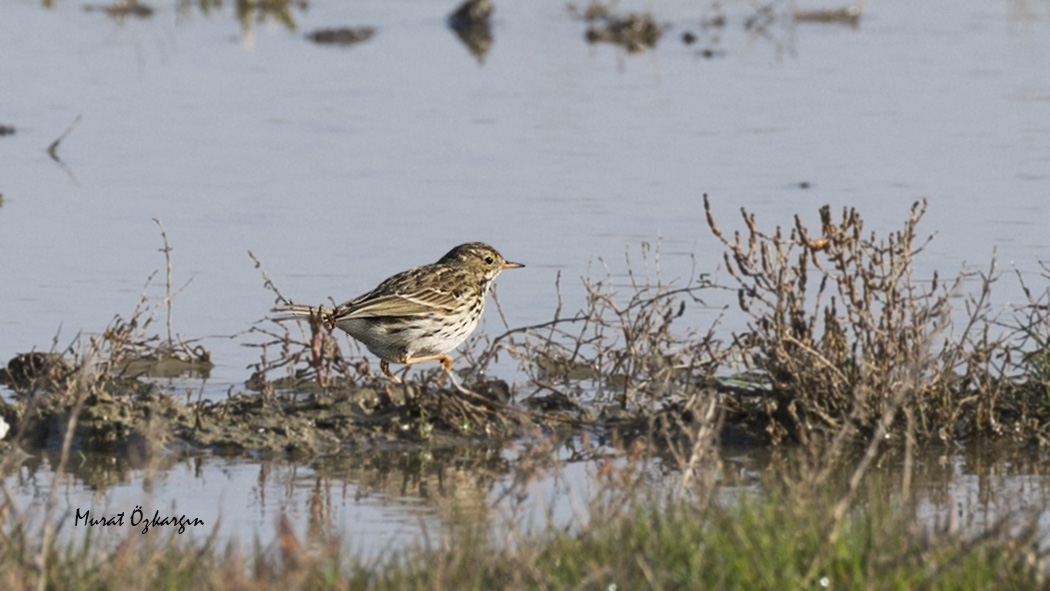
[{"x": 489, "y": 260}]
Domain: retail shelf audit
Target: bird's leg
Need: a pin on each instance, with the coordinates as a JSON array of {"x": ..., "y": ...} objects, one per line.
[
  {"x": 383, "y": 365},
  {"x": 447, "y": 362},
  {"x": 444, "y": 359}
]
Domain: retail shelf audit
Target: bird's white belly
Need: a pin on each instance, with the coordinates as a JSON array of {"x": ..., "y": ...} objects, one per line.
[{"x": 407, "y": 338}]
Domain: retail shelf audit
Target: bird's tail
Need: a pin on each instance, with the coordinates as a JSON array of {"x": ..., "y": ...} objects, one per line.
[{"x": 301, "y": 311}]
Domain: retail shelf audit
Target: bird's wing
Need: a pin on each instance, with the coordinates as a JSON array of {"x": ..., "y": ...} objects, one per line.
[{"x": 417, "y": 303}]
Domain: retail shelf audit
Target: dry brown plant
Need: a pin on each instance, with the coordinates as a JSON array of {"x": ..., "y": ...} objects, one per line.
[
  {"x": 626, "y": 346},
  {"x": 313, "y": 355},
  {"x": 838, "y": 326}
]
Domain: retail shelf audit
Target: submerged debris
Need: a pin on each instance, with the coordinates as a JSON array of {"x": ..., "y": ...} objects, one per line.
[
  {"x": 341, "y": 36},
  {"x": 471, "y": 22}
]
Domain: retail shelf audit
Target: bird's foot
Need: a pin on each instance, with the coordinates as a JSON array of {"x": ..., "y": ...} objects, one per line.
[{"x": 383, "y": 365}]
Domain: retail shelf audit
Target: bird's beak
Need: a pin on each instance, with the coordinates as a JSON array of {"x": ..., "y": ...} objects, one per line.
[{"x": 510, "y": 265}]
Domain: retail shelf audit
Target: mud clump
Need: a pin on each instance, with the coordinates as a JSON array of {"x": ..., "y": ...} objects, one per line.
[
  {"x": 129, "y": 416},
  {"x": 135, "y": 419}
]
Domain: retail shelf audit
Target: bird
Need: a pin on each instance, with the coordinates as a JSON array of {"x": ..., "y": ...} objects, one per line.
[{"x": 420, "y": 314}]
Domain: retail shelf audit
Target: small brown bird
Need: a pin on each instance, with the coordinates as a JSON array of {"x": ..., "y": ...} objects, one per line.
[{"x": 420, "y": 314}]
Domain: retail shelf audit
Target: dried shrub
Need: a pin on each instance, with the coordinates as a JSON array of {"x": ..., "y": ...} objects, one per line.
[
  {"x": 838, "y": 325},
  {"x": 626, "y": 347},
  {"x": 311, "y": 357},
  {"x": 1024, "y": 363}
]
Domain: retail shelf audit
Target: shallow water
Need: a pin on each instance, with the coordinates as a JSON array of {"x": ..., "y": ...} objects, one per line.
[
  {"x": 339, "y": 166},
  {"x": 380, "y": 501}
]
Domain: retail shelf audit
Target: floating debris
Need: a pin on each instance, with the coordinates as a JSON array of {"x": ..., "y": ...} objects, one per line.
[
  {"x": 123, "y": 9},
  {"x": 471, "y": 13},
  {"x": 635, "y": 32},
  {"x": 341, "y": 36},
  {"x": 52, "y": 150},
  {"x": 7, "y": 130},
  {"x": 471, "y": 22},
  {"x": 595, "y": 11},
  {"x": 849, "y": 15}
]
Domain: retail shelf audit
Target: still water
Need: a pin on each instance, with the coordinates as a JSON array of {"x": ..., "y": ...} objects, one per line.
[
  {"x": 382, "y": 501},
  {"x": 339, "y": 166}
]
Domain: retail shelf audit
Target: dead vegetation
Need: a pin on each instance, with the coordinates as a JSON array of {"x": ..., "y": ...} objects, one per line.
[
  {"x": 837, "y": 322},
  {"x": 839, "y": 327},
  {"x": 618, "y": 355}
]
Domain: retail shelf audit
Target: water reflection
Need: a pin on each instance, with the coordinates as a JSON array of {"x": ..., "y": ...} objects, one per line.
[
  {"x": 382, "y": 499},
  {"x": 370, "y": 495}
]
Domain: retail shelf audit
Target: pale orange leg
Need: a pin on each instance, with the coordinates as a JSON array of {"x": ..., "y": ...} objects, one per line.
[{"x": 444, "y": 359}]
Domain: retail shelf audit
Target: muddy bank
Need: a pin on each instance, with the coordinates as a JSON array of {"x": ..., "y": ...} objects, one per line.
[{"x": 139, "y": 418}]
